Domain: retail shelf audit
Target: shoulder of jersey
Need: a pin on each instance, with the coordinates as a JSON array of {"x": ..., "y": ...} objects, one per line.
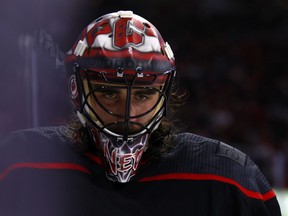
[
  {"x": 41, "y": 144},
  {"x": 197, "y": 157},
  {"x": 209, "y": 150}
]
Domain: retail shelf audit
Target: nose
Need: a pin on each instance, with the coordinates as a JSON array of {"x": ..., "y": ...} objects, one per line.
[
  {"x": 124, "y": 111},
  {"x": 133, "y": 110}
]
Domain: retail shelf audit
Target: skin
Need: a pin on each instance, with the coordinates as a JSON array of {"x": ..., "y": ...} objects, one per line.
[{"x": 114, "y": 99}]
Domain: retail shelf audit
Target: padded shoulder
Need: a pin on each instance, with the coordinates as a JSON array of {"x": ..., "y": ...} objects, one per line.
[
  {"x": 200, "y": 155},
  {"x": 42, "y": 144}
]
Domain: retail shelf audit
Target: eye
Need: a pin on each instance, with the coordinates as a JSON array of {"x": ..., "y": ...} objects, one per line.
[
  {"x": 145, "y": 95},
  {"x": 110, "y": 95},
  {"x": 106, "y": 94},
  {"x": 142, "y": 97}
]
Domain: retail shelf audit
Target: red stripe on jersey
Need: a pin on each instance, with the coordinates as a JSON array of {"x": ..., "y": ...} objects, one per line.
[
  {"x": 190, "y": 176},
  {"x": 94, "y": 158},
  {"x": 34, "y": 165}
]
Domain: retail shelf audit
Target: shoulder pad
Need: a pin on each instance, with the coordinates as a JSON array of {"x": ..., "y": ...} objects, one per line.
[{"x": 232, "y": 153}]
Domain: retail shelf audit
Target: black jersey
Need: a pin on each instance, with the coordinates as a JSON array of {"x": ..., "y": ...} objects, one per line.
[{"x": 41, "y": 173}]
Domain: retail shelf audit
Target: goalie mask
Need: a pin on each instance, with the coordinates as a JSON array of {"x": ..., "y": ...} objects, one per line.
[{"x": 121, "y": 72}]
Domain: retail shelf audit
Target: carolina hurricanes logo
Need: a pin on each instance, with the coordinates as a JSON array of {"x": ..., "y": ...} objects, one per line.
[{"x": 73, "y": 87}]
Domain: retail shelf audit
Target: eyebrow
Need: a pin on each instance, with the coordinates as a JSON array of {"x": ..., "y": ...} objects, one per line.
[
  {"x": 106, "y": 89},
  {"x": 147, "y": 91}
]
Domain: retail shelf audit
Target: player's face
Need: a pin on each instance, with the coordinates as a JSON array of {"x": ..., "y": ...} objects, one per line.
[{"x": 111, "y": 103}]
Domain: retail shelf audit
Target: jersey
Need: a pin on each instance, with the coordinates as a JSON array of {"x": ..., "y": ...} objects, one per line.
[{"x": 41, "y": 173}]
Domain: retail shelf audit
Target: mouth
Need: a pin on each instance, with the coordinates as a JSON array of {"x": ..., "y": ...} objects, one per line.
[{"x": 125, "y": 127}]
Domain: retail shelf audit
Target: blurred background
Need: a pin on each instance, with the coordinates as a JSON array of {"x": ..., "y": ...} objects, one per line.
[{"x": 230, "y": 55}]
